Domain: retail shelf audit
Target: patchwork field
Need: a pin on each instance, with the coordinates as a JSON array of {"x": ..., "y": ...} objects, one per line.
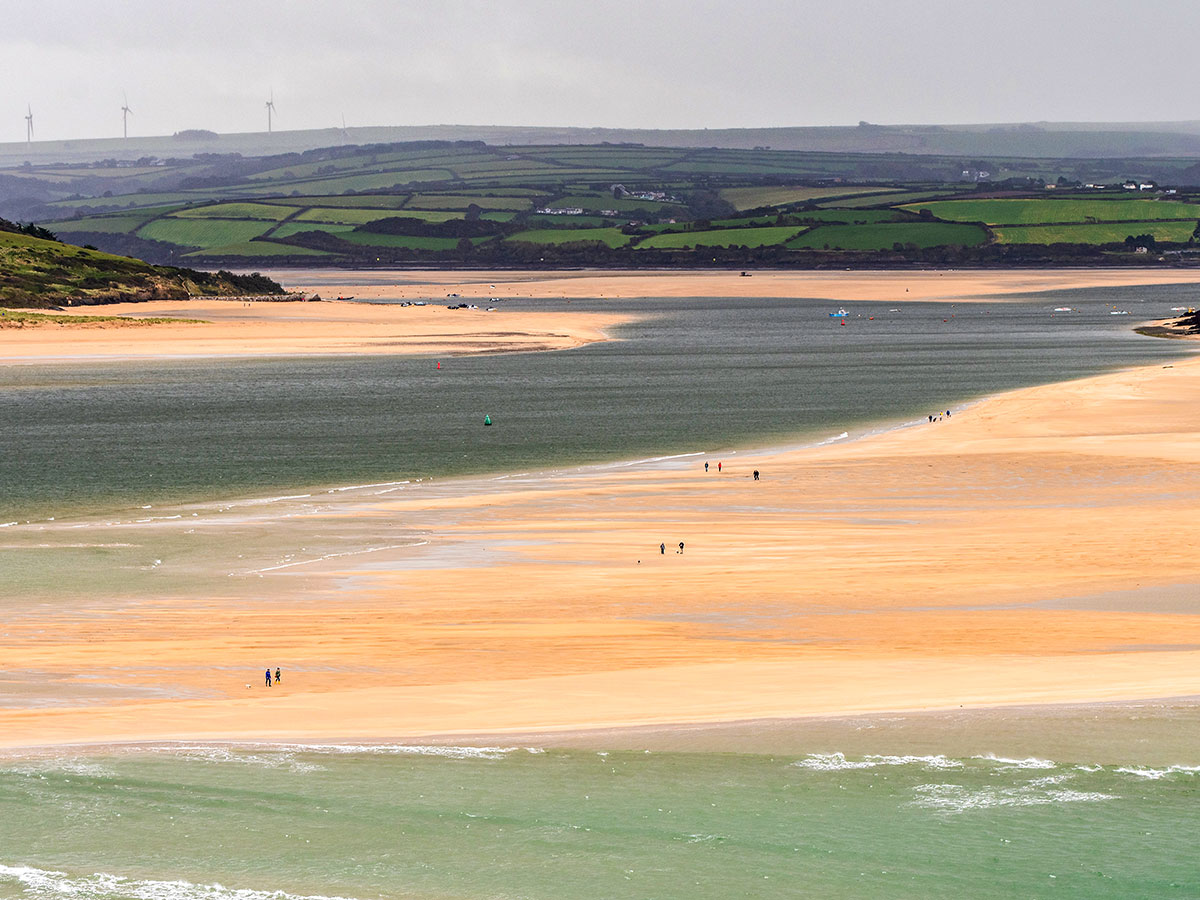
[{"x": 806, "y": 206}]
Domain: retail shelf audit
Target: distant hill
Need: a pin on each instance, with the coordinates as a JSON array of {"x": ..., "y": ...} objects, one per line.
[
  {"x": 39, "y": 273},
  {"x": 1043, "y": 139}
]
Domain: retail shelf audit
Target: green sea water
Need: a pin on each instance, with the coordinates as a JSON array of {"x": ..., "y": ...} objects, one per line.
[{"x": 396, "y": 821}]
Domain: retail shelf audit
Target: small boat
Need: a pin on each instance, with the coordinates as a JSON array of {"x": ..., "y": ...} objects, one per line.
[
  {"x": 1063, "y": 309},
  {"x": 840, "y": 314},
  {"x": 487, "y": 420},
  {"x": 1119, "y": 312},
  {"x": 344, "y": 298}
]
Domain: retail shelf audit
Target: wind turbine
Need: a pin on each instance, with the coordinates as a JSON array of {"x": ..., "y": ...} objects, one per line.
[
  {"x": 29, "y": 125},
  {"x": 270, "y": 110},
  {"x": 345, "y": 133},
  {"x": 125, "y": 114}
]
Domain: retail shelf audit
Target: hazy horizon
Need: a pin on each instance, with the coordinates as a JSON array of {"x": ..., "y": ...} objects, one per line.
[{"x": 666, "y": 64}]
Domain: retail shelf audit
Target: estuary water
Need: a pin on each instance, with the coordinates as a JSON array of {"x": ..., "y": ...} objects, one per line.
[{"x": 690, "y": 375}]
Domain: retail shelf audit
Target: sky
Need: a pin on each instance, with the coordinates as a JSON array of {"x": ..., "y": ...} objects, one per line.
[{"x": 595, "y": 63}]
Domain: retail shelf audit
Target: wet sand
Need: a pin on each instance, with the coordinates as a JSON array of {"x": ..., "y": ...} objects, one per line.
[{"x": 1036, "y": 548}]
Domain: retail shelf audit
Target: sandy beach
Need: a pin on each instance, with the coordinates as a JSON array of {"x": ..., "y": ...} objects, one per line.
[{"x": 1035, "y": 548}]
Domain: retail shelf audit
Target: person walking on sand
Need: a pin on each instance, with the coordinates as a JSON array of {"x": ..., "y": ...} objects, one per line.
[
  {"x": 755, "y": 478},
  {"x": 662, "y": 549},
  {"x": 706, "y": 466},
  {"x": 268, "y": 677},
  {"x": 718, "y": 467},
  {"x": 278, "y": 675},
  {"x": 681, "y": 546}
]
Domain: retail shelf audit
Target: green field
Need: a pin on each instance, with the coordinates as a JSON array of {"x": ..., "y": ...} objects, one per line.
[
  {"x": 610, "y": 237},
  {"x": 782, "y": 195},
  {"x": 257, "y": 248},
  {"x": 1108, "y": 233},
  {"x": 202, "y": 233},
  {"x": 345, "y": 216},
  {"x": 887, "y": 199},
  {"x": 349, "y": 201},
  {"x": 729, "y": 237},
  {"x": 1056, "y": 211},
  {"x": 237, "y": 211},
  {"x": 462, "y": 201},
  {"x": 287, "y": 229},
  {"x": 884, "y": 235},
  {"x": 100, "y": 225}
]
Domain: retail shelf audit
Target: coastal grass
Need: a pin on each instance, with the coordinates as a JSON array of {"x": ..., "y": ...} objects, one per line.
[
  {"x": 23, "y": 318},
  {"x": 1053, "y": 210},
  {"x": 885, "y": 235}
]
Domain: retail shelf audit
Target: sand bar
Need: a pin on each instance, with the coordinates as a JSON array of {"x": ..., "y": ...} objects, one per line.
[
  {"x": 1035, "y": 548},
  {"x": 958, "y": 286},
  {"x": 234, "y": 328}
]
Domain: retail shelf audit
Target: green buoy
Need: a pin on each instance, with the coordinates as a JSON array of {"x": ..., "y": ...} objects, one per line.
[{"x": 487, "y": 420}]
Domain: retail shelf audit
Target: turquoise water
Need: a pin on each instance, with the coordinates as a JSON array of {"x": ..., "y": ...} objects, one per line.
[
  {"x": 445, "y": 822},
  {"x": 692, "y": 375}
]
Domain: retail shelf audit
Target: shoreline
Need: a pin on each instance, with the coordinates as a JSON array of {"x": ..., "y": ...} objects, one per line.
[{"x": 895, "y": 731}]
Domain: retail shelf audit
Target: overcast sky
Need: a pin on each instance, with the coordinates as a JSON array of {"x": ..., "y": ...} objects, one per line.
[{"x": 642, "y": 63}]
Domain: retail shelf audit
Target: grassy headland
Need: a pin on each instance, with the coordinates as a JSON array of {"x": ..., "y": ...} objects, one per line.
[{"x": 37, "y": 271}]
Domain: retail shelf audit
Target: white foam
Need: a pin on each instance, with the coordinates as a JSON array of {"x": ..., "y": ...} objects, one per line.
[
  {"x": 52, "y": 885},
  {"x": 837, "y": 762},
  {"x": 77, "y": 767},
  {"x": 1007, "y": 764},
  {"x": 363, "y": 487},
  {"x": 1155, "y": 774},
  {"x": 276, "y": 755},
  {"x": 285, "y": 759},
  {"x": 834, "y": 439},
  {"x": 653, "y": 459},
  {"x": 955, "y": 798}
]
